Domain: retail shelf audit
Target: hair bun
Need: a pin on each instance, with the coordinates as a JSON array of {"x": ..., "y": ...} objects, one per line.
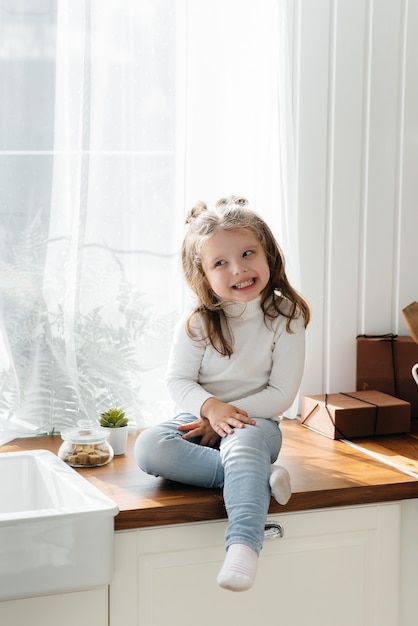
[
  {"x": 195, "y": 211},
  {"x": 232, "y": 201}
]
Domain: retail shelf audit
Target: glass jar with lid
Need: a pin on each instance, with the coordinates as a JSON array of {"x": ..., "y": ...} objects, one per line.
[{"x": 85, "y": 446}]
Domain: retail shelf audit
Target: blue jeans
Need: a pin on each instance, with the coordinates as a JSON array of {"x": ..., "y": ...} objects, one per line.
[{"x": 241, "y": 466}]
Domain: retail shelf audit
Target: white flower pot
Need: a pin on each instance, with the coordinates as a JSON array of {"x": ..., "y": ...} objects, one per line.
[{"x": 118, "y": 438}]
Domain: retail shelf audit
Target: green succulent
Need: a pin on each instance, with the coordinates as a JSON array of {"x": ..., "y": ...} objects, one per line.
[{"x": 113, "y": 418}]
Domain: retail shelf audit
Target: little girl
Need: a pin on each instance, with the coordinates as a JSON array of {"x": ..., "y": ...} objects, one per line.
[{"x": 235, "y": 366}]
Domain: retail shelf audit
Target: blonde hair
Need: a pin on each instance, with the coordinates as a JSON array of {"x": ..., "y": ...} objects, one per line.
[{"x": 233, "y": 214}]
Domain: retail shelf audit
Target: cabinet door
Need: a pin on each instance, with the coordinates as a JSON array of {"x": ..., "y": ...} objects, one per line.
[
  {"x": 86, "y": 608},
  {"x": 335, "y": 566}
]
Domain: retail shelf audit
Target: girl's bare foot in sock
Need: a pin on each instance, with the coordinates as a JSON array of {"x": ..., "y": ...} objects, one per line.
[
  {"x": 280, "y": 484},
  {"x": 239, "y": 568}
]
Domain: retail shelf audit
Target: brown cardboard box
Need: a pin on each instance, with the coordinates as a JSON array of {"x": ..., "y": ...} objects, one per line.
[
  {"x": 375, "y": 364},
  {"x": 355, "y": 414},
  {"x": 410, "y": 317},
  {"x": 385, "y": 363},
  {"x": 406, "y": 355}
]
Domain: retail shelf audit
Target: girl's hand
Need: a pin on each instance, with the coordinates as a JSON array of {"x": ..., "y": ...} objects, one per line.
[
  {"x": 224, "y": 417},
  {"x": 201, "y": 428}
]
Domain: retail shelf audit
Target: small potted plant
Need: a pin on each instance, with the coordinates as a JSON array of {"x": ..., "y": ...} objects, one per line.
[{"x": 116, "y": 424}]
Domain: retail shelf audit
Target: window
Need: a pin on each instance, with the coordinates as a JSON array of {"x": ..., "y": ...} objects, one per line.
[{"x": 116, "y": 117}]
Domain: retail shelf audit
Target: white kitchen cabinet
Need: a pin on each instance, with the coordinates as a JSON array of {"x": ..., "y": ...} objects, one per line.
[
  {"x": 83, "y": 608},
  {"x": 409, "y": 563},
  {"x": 332, "y": 566}
]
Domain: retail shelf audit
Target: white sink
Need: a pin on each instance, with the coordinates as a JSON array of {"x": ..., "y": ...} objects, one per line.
[{"x": 56, "y": 528}]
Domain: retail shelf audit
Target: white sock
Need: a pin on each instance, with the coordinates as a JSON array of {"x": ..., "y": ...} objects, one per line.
[
  {"x": 239, "y": 568},
  {"x": 280, "y": 484}
]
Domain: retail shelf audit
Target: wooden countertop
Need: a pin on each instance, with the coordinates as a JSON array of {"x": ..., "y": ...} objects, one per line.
[{"x": 324, "y": 473}]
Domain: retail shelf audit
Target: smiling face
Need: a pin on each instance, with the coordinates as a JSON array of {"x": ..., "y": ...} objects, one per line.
[{"x": 235, "y": 265}]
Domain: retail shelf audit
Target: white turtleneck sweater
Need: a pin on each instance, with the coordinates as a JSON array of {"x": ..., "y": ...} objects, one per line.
[{"x": 262, "y": 376}]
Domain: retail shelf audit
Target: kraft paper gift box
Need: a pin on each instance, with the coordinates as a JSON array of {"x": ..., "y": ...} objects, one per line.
[
  {"x": 355, "y": 414},
  {"x": 384, "y": 363},
  {"x": 410, "y": 317}
]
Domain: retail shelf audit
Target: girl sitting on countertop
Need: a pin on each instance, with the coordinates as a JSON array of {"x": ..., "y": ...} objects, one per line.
[{"x": 235, "y": 367}]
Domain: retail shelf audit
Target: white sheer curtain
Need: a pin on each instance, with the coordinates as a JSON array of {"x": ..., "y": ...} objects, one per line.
[
  {"x": 131, "y": 112},
  {"x": 239, "y": 133}
]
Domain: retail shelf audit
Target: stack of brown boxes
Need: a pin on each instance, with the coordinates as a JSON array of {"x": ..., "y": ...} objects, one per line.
[{"x": 386, "y": 396}]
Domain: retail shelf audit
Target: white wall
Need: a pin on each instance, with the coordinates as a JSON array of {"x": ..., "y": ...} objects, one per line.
[{"x": 355, "y": 99}]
